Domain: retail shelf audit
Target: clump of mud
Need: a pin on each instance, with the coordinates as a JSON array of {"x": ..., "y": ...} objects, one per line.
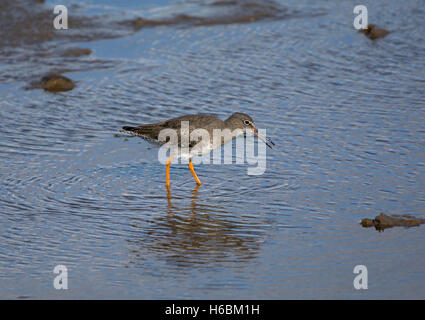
[
  {"x": 383, "y": 221},
  {"x": 76, "y": 52},
  {"x": 373, "y": 32},
  {"x": 54, "y": 82}
]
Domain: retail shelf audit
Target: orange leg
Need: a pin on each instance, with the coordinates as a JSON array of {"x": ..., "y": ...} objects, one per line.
[
  {"x": 194, "y": 173},
  {"x": 167, "y": 171}
]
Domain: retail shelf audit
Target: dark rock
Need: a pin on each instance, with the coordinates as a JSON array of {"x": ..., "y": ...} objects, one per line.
[
  {"x": 373, "y": 32},
  {"x": 367, "y": 223},
  {"x": 383, "y": 221},
  {"x": 57, "y": 83}
]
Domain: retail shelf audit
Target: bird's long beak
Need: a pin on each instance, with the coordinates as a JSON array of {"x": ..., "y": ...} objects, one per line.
[{"x": 266, "y": 140}]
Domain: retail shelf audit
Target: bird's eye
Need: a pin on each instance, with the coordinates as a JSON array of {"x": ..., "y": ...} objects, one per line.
[{"x": 247, "y": 122}]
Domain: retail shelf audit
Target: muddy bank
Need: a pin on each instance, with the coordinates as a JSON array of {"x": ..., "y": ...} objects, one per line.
[
  {"x": 30, "y": 47},
  {"x": 31, "y": 21},
  {"x": 219, "y": 12},
  {"x": 76, "y": 52},
  {"x": 28, "y": 40},
  {"x": 383, "y": 221}
]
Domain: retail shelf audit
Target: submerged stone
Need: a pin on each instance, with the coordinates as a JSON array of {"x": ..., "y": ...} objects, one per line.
[
  {"x": 383, "y": 221},
  {"x": 57, "y": 83},
  {"x": 373, "y": 32}
]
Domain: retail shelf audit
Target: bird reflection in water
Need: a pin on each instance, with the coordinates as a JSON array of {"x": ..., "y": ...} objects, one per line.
[
  {"x": 192, "y": 202},
  {"x": 196, "y": 234}
]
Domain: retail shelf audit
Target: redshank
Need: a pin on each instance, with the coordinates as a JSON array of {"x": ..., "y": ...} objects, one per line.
[{"x": 238, "y": 123}]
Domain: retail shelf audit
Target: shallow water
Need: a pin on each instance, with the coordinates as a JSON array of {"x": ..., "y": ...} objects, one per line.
[{"x": 347, "y": 114}]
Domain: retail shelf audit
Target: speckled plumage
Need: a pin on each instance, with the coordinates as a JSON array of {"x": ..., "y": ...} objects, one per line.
[{"x": 196, "y": 121}]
